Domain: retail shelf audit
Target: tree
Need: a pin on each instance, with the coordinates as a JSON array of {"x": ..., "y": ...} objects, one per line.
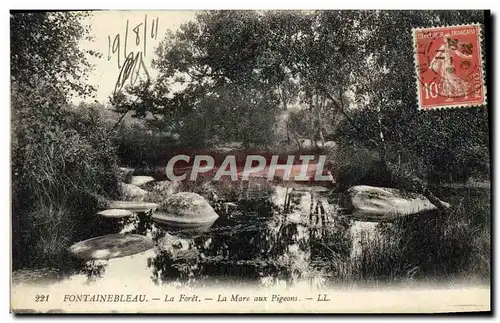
[
  {"x": 44, "y": 48},
  {"x": 351, "y": 73},
  {"x": 215, "y": 63},
  {"x": 413, "y": 145}
]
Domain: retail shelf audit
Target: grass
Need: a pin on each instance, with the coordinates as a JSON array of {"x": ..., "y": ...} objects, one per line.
[
  {"x": 428, "y": 247},
  {"x": 59, "y": 180},
  {"x": 48, "y": 227},
  {"x": 56, "y": 198},
  {"x": 441, "y": 247}
]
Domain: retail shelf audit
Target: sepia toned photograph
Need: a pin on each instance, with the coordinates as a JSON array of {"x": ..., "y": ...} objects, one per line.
[{"x": 250, "y": 161}]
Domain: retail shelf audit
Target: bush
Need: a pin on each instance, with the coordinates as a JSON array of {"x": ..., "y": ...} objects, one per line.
[
  {"x": 139, "y": 147},
  {"x": 63, "y": 166},
  {"x": 358, "y": 166},
  {"x": 430, "y": 246}
]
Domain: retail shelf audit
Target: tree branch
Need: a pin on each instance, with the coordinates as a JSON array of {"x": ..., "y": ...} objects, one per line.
[
  {"x": 126, "y": 111},
  {"x": 352, "y": 123}
]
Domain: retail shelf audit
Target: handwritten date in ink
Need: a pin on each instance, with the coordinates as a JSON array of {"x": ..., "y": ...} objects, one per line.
[{"x": 133, "y": 61}]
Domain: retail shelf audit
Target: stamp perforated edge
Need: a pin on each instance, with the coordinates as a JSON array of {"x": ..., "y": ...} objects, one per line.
[{"x": 481, "y": 104}]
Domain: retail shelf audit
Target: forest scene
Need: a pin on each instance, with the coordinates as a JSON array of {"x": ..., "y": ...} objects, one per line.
[{"x": 289, "y": 83}]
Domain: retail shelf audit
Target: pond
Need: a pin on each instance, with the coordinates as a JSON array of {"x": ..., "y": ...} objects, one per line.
[{"x": 262, "y": 241}]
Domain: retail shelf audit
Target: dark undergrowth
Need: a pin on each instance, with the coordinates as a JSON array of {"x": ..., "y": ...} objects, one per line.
[
  {"x": 452, "y": 247},
  {"x": 59, "y": 180}
]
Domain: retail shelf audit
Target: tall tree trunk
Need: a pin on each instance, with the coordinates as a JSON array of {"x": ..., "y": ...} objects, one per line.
[
  {"x": 287, "y": 129},
  {"x": 321, "y": 137},
  {"x": 297, "y": 139}
]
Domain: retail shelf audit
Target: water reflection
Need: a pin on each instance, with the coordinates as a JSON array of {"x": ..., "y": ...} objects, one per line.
[
  {"x": 93, "y": 270},
  {"x": 280, "y": 236},
  {"x": 257, "y": 242}
]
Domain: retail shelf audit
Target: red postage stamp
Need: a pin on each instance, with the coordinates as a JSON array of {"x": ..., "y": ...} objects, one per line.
[{"x": 449, "y": 67}]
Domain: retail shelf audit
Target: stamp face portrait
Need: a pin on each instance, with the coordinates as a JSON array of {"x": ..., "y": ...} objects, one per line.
[{"x": 449, "y": 67}]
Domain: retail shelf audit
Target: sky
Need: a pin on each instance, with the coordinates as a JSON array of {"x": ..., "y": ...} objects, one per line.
[{"x": 110, "y": 26}]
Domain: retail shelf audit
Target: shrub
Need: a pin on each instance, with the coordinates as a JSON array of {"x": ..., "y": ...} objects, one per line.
[
  {"x": 63, "y": 166},
  {"x": 356, "y": 166},
  {"x": 139, "y": 147},
  {"x": 430, "y": 246}
]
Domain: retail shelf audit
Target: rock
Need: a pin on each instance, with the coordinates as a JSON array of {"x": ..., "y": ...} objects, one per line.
[
  {"x": 185, "y": 210},
  {"x": 230, "y": 204},
  {"x": 165, "y": 187},
  {"x": 111, "y": 246},
  {"x": 131, "y": 192},
  {"x": 133, "y": 206},
  {"x": 124, "y": 174},
  {"x": 306, "y": 143},
  {"x": 368, "y": 203},
  {"x": 330, "y": 144},
  {"x": 115, "y": 213},
  {"x": 175, "y": 221},
  {"x": 141, "y": 180}
]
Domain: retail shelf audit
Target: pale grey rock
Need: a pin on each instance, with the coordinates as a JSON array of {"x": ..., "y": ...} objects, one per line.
[{"x": 370, "y": 203}]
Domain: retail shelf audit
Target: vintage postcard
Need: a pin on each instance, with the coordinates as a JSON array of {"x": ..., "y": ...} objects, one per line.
[{"x": 272, "y": 161}]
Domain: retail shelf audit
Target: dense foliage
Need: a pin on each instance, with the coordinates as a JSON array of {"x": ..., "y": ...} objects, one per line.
[
  {"x": 62, "y": 161},
  {"x": 276, "y": 80},
  {"x": 347, "y": 76}
]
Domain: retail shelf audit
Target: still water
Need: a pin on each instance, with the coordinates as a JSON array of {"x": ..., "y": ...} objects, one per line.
[
  {"x": 255, "y": 241},
  {"x": 266, "y": 241}
]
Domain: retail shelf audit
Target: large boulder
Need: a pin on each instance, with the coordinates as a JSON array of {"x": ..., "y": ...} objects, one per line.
[
  {"x": 130, "y": 192},
  {"x": 111, "y": 246},
  {"x": 185, "y": 210},
  {"x": 368, "y": 203}
]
